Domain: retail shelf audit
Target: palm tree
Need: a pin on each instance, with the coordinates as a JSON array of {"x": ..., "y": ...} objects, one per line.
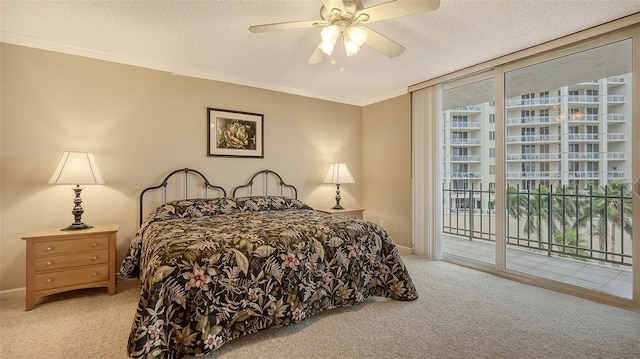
[
  {"x": 569, "y": 243},
  {"x": 542, "y": 206},
  {"x": 612, "y": 207}
]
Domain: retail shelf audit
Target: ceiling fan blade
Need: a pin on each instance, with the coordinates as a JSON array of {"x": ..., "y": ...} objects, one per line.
[
  {"x": 383, "y": 44},
  {"x": 317, "y": 57},
  {"x": 398, "y": 8},
  {"x": 284, "y": 26}
]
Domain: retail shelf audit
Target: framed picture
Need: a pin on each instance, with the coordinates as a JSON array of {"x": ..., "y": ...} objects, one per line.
[{"x": 234, "y": 133}]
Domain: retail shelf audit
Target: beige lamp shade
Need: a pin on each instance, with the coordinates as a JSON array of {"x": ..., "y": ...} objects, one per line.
[
  {"x": 77, "y": 168},
  {"x": 338, "y": 173}
]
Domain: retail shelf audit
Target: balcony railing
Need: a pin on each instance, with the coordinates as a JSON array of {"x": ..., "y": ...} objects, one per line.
[
  {"x": 464, "y": 124},
  {"x": 533, "y": 138},
  {"x": 465, "y": 158},
  {"x": 464, "y": 141},
  {"x": 591, "y": 225},
  {"x": 533, "y": 156}
]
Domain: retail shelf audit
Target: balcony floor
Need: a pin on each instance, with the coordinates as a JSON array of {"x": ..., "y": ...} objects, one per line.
[{"x": 606, "y": 279}]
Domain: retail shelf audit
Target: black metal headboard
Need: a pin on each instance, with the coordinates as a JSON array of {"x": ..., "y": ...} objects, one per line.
[
  {"x": 186, "y": 171},
  {"x": 266, "y": 174}
]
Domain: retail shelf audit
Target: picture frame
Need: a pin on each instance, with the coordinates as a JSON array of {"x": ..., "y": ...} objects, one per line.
[{"x": 234, "y": 133}]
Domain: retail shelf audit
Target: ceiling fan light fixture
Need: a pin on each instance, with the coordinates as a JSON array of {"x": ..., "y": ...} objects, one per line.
[
  {"x": 330, "y": 34},
  {"x": 357, "y": 34},
  {"x": 351, "y": 48},
  {"x": 327, "y": 47}
]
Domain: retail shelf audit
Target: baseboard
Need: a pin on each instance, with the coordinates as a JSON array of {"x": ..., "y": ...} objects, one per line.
[
  {"x": 405, "y": 251},
  {"x": 13, "y": 293}
]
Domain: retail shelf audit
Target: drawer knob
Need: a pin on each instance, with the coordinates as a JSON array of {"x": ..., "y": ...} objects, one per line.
[
  {"x": 49, "y": 263},
  {"x": 49, "y": 249},
  {"x": 94, "y": 258},
  {"x": 94, "y": 274},
  {"x": 49, "y": 280},
  {"x": 94, "y": 245}
]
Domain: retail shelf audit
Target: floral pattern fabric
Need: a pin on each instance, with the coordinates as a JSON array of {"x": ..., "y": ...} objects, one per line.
[{"x": 212, "y": 270}]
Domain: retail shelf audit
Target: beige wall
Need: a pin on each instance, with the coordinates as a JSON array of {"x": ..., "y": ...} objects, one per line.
[
  {"x": 386, "y": 166},
  {"x": 141, "y": 124}
]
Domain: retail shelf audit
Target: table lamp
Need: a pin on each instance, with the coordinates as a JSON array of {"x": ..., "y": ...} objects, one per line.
[
  {"x": 338, "y": 173},
  {"x": 77, "y": 168}
]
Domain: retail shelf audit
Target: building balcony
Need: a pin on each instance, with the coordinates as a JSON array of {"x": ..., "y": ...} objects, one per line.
[
  {"x": 615, "y": 174},
  {"x": 456, "y": 175},
  {"x": 582, "y": 137},
  {"x": 567, "y": 251},
  {"x": 533, "y": 175},
  {"x": 616, "y": 156},
  {"x": 617, "y": 137},
  {"x": 615, "y": 80},
  {"x": 534, "y": 138},
  {"x": 612, "y": 117},
  {"x": 466, "y": 109},
  {"x": 583, "y": 155},
  {"x": 540, "y": 101},
  {"x": 615, "y": 98},
  {"x": 583, "y": 174},
  {"x": 465, "y": 159},
  {"x": 533, "y": 156},
  {"x": 464, "y": 141},
  {"x": 530, "y": 120},
  {"x": 616, "y": 281},
  {"x": 588, "y": 99},
  {"x": 465, "y": 125}
]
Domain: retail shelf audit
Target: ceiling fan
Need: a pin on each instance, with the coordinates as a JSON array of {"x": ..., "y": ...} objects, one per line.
[{"x": 345, "y": 18}]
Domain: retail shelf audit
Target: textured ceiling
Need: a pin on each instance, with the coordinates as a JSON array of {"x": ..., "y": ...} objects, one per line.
[{"x": 210, "y": 39}]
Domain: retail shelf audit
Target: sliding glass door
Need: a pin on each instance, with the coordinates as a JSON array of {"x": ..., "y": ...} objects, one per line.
[
  {"x": 568, "y": 146},
  {"x": 468, "y": 184},
  {"x": 538, "y": 172}
]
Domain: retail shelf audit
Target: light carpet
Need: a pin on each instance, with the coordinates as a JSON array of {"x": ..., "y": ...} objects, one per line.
[{"x": 461, "y": 313}]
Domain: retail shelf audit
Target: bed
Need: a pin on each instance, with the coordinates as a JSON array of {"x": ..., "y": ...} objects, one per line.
[{"x": 214, "y": 269}]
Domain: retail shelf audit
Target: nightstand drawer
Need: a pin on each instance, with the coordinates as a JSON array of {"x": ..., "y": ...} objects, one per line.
[
  {"x": 71, "y": 277},
  {"x": 352, "y": 215},
  {"x": 71, "y": 260},
  {"x": 49, "y": 248},
  {"x": 349, "y": 213}
]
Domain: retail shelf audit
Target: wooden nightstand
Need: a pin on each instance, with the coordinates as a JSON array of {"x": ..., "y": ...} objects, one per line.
[
  {"x": 347, "y": 212},
  {"x": 58, "y": 261}
]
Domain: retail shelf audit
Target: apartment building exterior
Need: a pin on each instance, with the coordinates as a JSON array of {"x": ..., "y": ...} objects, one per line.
[{"x": 573, "y": 135}]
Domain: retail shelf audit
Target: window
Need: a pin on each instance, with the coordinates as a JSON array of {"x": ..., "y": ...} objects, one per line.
[
  {"x": 492, "y": 169},
  {"x": 544, "y": 148},
  {"x": 528, "y": 167},
  {"x": 528, "y": 149},
  {"x": 544, "y": 130},
  {"x": 492, "y": 152},
  {"x": 459, "y": 151},
  {"x": 492, "y": 118},
  {"x": 528, "y": 131},
  {"x": 492, "y": 135},
  {"x": 544, "y": 167},
  {"x": 574, "y": 166},
  {"x": 459, "y": 135},
  {"x": 460, "y": 184}
]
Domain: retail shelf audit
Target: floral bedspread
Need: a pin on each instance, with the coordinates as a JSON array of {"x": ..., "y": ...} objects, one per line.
[{"x": 212, "y": 270}]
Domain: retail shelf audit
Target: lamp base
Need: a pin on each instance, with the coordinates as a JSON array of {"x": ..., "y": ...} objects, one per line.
[
  {"x": 76, "y": 226},
  {"x": 337, "y": 206}
]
